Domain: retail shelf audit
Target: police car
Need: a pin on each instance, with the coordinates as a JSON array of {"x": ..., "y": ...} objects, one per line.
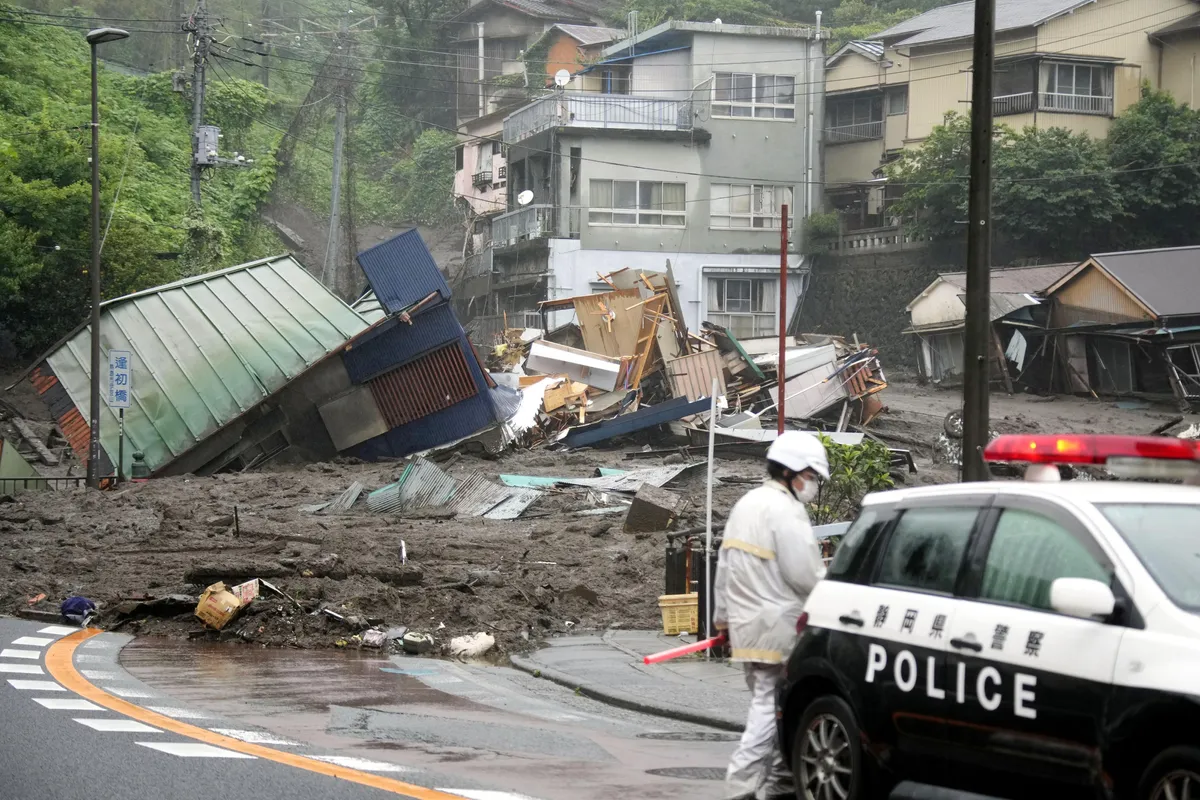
[{"x": 1018, "y": 639}]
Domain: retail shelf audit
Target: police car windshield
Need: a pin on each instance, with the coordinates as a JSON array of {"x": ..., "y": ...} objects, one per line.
[{"x": 1166, "y": 538}]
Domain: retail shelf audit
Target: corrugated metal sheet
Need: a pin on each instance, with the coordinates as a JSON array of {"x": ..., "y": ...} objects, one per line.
[
  {"x": 477, "y": 495},
  {"x": 395, "y": 343},
  {"x": 433, "y": 382},
  {"x": 956, "y": 21},
  {"x": 401, "y": 272},
  {"x": 422, "y": 484},
  {"x": 633, "y": 480},
  {"x": 591, "y": 34},
  {"x": 449, "y": 425},
  {"x": 346, "y": 499},
  {"x": 511, "y": 508},
  {"x": 207, "y": 350},
  {"x": 1092, "y": 296},
  {"x": 643, "y": 418},
  {"x": 692, "y": 375},
  {"x": 369, "y": 307}
]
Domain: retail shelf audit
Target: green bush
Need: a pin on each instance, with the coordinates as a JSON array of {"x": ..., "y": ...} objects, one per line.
[{"x": 854, "y": 472}]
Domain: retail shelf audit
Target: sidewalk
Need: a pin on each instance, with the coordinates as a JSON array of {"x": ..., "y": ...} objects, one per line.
[{"x": 609, "y": 668}]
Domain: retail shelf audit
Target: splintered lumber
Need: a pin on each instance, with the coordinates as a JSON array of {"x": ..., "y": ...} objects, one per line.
[{"x": 44, "y": 455}]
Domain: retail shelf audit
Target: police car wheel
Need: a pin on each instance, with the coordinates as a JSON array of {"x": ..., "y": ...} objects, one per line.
[
  {"x": 1173, "y": 775},
  {"x": 827, "y": 753}
]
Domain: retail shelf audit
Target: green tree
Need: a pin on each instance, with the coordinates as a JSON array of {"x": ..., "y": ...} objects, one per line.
[
  {"x": 1154, "y": 150},
  {"x": 854, "y": 472},
  {"x": 735, "y": 12},
  {"x": 1053, "y": 194},
  {"x": 425, "y": 179}
]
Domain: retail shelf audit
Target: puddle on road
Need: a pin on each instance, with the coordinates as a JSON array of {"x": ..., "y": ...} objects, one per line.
[{"x": 293, "y": 680}]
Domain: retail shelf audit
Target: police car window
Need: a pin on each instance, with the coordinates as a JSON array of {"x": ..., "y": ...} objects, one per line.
[
  {"x": 1166, "y": 539},
  {"x": 1028, "y": 552},
  {"x": 926, "y": 548},
  {"x": 847, "y": 559}
]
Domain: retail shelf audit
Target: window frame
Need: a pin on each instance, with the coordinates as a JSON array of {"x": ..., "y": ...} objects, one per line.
[
  {"x": 770, "y": 312},
  {"x": 890, "y": 97},
  {"x": 636, "y": 211},
  {"x": 971, "y": 582},
  {"x": 981, "y": 504},
  {"x": 771, "y": 222},
  {"x": 863, "y": 559},
  {"x": 753, "y": 104}
]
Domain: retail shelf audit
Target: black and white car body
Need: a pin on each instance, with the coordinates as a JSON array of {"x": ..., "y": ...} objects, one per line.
[{"x": 1013, "y": 639}]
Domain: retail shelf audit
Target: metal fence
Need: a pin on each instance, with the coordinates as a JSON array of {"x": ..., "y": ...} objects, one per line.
[
  {"x": 1075, "y": 103},
  {"x": 14, "y": 485},
  {"x": 1012, "y": 103},
  {"x": 620, "y": 111},
  {"x": 863, "y": 131},
  {"x": 530, "y": 222}
]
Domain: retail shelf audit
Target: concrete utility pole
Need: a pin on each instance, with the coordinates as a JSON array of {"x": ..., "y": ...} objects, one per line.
[
  {"x": 330, "y": 270},
  {"x": 199, "y": 23},
  {"x": 977, "y": 336}
]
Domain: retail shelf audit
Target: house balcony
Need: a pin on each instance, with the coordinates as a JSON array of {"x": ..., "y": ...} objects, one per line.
[
  {"x": 482, "y": 178},
  {"x": 860, "y": 132},
  {"x": 598, "y": 112},
  {"x": 532, "y": 223},
  {"x": 1012, "y": 104}
]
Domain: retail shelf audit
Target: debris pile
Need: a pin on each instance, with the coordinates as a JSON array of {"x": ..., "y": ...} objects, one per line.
[{"x": 628, "y": 364}]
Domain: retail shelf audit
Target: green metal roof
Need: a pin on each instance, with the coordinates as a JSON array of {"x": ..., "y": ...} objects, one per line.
[{"x": 206, "y": 350}]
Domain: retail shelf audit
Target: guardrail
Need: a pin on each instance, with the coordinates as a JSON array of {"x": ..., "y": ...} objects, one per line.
[
  {"x": 607, "y": 111},
  {"x": 1012, "y": 103},
  {"x": 861, "y": 132},
  {"x": 12, "y": 485},
  {"x": 1075, "y": 103}
]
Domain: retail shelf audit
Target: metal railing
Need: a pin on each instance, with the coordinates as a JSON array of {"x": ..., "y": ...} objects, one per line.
[
  {"x": 530, "y": 222},
  {"x": 1075, "y": 103},
  {"x": 608, "y": 111},
  {"x": 12, "y": 485},
  {"x": 1012, "y": 103},
  {"x": 482, "y": 178},
  {"x": 863, "y": 131}
]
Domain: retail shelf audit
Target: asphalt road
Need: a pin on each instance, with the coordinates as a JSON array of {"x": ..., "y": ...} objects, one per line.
[{"x": 198, "y": 713}]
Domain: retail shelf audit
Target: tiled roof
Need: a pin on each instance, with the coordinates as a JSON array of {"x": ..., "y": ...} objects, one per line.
[
  {"x": 1016, "y": 280},
  {"x": 958, "y": 21}
]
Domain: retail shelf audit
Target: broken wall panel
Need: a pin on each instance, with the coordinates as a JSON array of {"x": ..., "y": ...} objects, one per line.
[
  {"x": 353, "y": 418},
  {"x": 580, "y": 365},
  {"x": 809, "y": 394},
  {"x": 608, "y": 323},
  {"x": 692, "y": 376},
  {"x": 402, "y": 271},
  {"x": 394, "y": 342}
]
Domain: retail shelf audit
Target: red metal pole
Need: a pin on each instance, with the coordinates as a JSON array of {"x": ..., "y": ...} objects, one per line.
[{"x": 783, "y": 245}]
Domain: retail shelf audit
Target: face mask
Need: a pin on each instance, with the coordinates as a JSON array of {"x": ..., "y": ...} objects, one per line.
[{"x": 807, "y": 493}]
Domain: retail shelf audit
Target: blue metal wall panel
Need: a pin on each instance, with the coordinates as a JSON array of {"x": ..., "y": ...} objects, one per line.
[
  {"x": 401, "y": 343},
  {"x": 401, "y": 271},
  {"x": 442, "y": 427}
]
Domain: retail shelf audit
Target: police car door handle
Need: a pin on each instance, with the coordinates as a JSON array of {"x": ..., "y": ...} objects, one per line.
[
  {"x": 853, "y": 618},
  {"x": 966, "y": 644}
]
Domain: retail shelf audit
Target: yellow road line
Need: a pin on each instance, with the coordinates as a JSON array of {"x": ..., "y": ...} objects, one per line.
[{"x": 61, "y": 667}]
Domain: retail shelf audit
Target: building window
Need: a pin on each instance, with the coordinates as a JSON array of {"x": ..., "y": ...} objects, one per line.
[
  {"x": 854, "y": 119},
  {"x": 897, "y": 101},
  {"x": 745, "y": 306},
  {"x": 747, "y": 94},
  {"x": 636, "y": 203},
  {"x": 735, "y": 205},
  {"x": 614, "y": 81},
  {"x": 1076, "y": 88},
  {"x": 458, "y": 156}
]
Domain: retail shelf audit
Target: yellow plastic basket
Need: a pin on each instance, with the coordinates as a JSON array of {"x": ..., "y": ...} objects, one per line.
[{"x": 680, "y": 613}]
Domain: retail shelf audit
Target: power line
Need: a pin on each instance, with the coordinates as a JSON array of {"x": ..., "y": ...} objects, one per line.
[{"x": 18, "y": 21}]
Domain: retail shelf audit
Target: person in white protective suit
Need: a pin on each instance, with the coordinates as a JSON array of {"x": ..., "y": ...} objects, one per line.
[{"x": 769, "y": 563}]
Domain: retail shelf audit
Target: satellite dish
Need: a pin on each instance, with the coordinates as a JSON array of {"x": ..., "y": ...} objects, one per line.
[
  {"x": 562, "y": 78},
  {"x": 525, "y": 198},
  {"x": 717, "y": 21}
]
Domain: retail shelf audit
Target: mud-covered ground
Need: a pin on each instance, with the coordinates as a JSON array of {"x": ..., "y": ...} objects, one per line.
[{"x": 547, "y": 572}]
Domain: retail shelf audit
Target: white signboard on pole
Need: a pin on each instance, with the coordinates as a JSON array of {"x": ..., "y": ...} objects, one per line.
[{"x": 120, "y": 378}]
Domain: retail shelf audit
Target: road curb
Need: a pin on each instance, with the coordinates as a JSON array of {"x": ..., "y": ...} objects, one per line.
[{"x": 623, "y": 700}]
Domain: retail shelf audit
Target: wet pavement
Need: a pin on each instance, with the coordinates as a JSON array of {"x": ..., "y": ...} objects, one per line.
[{"x": 480, "y": 725}]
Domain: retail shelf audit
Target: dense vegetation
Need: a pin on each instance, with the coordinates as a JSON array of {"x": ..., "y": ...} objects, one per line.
[{"x": 1059, "y": 195}]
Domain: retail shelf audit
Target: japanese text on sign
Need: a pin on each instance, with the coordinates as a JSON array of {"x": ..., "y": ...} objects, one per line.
[{"x": 120, "y": 378}]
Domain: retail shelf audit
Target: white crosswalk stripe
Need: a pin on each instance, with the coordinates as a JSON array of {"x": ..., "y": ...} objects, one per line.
[
  {"x": 364, "y": 764},
  {"x": 255, "y": 737},
  {"x": 32, "y": 655},
  {"x": 36, "y": 686},
  {"x": 33, "y": 641},
  {"x": 57, "y": 704},
  {"x": 193, "y": 750},
  {"x": 58, "y": 630},
  {"x": 22, "y": 669},
  {"x": 178, "y": 713},
  {"x": 117, "y": 725}
]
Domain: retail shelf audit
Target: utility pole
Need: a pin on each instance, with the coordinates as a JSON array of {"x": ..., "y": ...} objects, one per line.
[
  {"x": 979, "y": 250},
  {"x": 330, "y": 269},
  {"x": 783, "y": 276},
  {"x": 199, "y": 26},
  {"x": 266, "y": 67}
]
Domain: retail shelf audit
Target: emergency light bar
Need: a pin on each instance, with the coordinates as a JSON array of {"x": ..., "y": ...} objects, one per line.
[{"x": 1124, "y": 456}]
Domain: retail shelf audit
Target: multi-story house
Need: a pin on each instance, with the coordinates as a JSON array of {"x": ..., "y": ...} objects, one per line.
[
  {"x": 1059, "y": 63},
  {"x": 680, "y": 145}
]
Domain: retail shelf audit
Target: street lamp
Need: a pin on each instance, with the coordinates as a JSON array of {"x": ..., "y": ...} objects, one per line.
[{"x": 96, "y": 37}]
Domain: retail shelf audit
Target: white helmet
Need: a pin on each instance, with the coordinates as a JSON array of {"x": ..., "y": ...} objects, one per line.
[{"x": 798, "y": 451}]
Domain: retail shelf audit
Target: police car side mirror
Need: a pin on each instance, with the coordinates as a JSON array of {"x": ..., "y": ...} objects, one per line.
[{"x": 1082, "y": 597}]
